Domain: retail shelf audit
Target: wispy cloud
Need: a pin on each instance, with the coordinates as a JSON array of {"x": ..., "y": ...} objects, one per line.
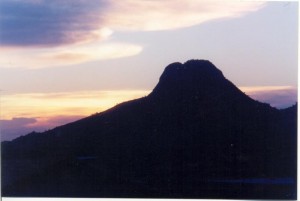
[
  {"x": 152, "y": 15},
  {"x": 65, "y": 55},
  {"x": 56, "y": 22},
  {"x": 43, "y": 33}
]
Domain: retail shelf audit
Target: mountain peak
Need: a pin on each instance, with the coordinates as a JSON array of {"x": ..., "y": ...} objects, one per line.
[
  {"x": 191, "y": 69},
  {"x": 195, "y": 75}
]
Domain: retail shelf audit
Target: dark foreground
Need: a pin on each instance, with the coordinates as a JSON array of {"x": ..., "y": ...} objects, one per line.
[{"x": 81, "y": 180}]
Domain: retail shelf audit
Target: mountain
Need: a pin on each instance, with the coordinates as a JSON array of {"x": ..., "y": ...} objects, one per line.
[{"x": 196, "y": 135}]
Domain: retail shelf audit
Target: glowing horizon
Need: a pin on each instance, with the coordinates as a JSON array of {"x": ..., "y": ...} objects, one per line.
[
  {"x": 71, "y": 58},
  {"x": 82, "y": 103},
  {"x": 88, "y": 102},
  {"x": 42, "y": 111}
]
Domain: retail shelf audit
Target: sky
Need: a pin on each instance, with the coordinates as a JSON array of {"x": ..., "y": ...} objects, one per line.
[{"x": 62, "y": 60}]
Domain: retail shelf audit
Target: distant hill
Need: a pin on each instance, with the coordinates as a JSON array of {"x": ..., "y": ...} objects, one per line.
[{"x": 195, "y": 136}]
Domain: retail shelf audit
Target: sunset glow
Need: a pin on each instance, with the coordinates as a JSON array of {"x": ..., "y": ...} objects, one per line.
[
  {"x": 42, "y": 111},
  {"x": 149, "y": 98},
  {"x": 81, "y": 103},
  {"x": 47, "y": 110},
  {"x": 63, "y": 60}
]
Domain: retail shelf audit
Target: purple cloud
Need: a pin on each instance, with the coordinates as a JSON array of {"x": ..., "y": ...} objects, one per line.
[
  {"x": 279, "y": 97},
  {"x": 16, "y": 127},
  {"x": 55, "y": 121},
  {"x": 57, "y": 22},
  {"x": 48, "y": 22}
]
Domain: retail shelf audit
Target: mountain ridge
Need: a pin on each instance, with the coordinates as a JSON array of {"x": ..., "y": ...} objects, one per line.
[{"x": 194, "y": 127}]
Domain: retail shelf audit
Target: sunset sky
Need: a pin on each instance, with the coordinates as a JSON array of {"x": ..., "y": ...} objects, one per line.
[{"x": 62, "y": 60}]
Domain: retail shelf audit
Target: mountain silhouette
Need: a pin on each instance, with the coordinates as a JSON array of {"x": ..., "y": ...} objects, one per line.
[{"x": 196, "y": 135}]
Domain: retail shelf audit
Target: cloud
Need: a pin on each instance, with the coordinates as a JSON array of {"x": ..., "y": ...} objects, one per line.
[
  {"x": 153, "y": 15},
  {"x": 46, "y": 123},
  {"x": 15, "y": 127},
  {"x": 46, "y": 33},
  {"x": 43, "y": 33},
  {"x": 57, "y": 22},
  {"x": 276, "y": 96},
  {"x": 66, "y": 55},
  {"x": 49, "y": 23},
  {"x": 16, "y": 122}
]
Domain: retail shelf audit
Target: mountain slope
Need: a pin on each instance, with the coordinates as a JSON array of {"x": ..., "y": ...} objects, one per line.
[{"x": 196, "y": 136}]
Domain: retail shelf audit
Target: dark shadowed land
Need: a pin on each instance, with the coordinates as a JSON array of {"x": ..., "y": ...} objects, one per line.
[{"x": 195, "y": 135}]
